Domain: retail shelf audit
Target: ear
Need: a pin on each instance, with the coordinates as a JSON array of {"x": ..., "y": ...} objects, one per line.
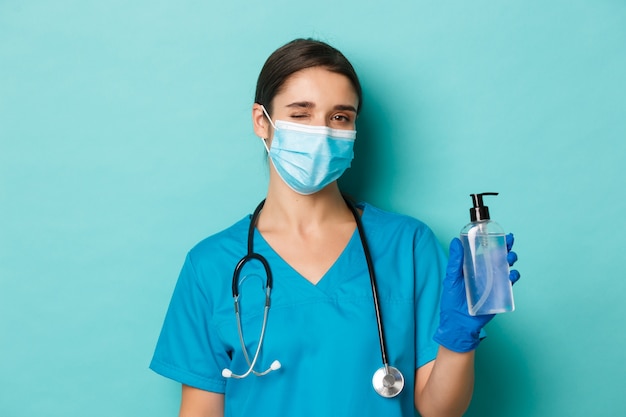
[{"x": 262, "y": 127}]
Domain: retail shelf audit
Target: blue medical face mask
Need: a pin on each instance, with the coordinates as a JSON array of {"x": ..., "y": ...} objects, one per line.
[{"x": 308, "y": 158}]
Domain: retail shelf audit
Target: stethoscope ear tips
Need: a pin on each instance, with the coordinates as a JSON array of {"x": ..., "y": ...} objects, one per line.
[
  {"x": 227, "y": 373},
  {"x": 275, "y": 365}
]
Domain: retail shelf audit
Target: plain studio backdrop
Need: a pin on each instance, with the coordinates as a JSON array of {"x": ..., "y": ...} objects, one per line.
[{"x": 126, "y": 137}]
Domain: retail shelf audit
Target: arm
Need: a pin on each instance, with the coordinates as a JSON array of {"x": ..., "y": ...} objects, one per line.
[
  {"x": 199, "y": 403},
  {"x": 444, "y": 387}
]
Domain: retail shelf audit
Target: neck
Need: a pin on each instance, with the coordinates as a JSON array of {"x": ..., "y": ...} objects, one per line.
[{"x": 286, "y": 209}]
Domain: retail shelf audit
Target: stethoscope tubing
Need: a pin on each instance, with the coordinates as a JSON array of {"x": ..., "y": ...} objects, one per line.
[
  {"x": 370, "y": 268},
  {"x": 388, "y": 381},
  {"x": 269, "y": 281}
]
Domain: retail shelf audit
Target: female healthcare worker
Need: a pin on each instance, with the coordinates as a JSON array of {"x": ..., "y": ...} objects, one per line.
[{"x": 293, "y": 310}]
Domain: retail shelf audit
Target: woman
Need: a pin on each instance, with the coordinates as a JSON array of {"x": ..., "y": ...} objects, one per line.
[{"x": 321, "y": 343}]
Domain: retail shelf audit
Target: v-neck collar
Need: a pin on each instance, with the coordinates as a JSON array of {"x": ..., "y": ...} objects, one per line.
[{"x": 331, "y": 279}]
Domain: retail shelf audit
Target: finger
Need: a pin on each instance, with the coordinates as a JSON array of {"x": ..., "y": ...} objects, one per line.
[
  {"x": 510, "y": 239},
  {"x": 514, "y": 276},
  {"x": 511, "y": 258}
]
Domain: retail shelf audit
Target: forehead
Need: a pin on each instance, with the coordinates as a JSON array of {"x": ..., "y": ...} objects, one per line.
[{"x": 318, "y": 85}]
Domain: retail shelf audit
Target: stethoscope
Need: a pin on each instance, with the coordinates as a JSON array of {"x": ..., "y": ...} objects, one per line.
[{"x": 387, "y": 380}]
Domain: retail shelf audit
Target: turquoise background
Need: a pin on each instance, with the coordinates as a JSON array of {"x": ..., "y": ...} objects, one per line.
[{"x": 125, "y": 138}]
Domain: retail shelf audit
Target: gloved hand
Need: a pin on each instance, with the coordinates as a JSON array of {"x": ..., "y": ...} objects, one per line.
[{"x": 458, "y": 330}]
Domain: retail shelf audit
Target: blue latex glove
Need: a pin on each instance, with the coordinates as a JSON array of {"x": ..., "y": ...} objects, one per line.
[{"x": 458, "y": 330}]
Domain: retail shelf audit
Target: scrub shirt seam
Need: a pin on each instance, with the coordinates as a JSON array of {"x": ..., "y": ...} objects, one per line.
[
  {"x": 196, "y": 279},
  {"x": 210, "y": 322}
]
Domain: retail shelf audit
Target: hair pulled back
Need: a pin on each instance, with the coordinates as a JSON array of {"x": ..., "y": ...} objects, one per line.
[{"x": 297, "y": 55}]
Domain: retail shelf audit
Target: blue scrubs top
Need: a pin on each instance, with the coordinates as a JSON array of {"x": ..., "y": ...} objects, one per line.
[{"x": 324, "y": 335}]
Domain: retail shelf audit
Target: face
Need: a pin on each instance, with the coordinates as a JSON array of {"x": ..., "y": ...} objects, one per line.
[{"x": 313, "y": 96}]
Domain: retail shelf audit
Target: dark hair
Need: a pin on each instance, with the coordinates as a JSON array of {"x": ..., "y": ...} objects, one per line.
[{"x": 298, "y": 55}]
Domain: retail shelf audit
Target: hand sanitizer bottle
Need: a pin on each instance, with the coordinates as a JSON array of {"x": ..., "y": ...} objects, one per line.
[{"x": 485, "y": 267}]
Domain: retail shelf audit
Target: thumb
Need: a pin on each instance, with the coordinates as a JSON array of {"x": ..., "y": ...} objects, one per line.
[
  {"x": 455, "y": 260},
  {"x": 454, "y": 270}
]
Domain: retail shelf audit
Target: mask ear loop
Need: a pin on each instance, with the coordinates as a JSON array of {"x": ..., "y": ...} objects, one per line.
[
  {"x": 264, "y": 140},
  {"x": 268, "y": 116},
  {"x": 265, "y": 144}
]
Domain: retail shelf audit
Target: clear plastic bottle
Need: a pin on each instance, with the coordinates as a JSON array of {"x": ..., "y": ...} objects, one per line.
[{"x": 485, "y": 265}]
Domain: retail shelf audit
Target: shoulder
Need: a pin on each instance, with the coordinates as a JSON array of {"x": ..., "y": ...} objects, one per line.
[
  {"x": 222, "y": 243},
  {"x": 209, "y": 264},
  {"x": 379, "y": 219},
  {"x": 387, "y": 228}
]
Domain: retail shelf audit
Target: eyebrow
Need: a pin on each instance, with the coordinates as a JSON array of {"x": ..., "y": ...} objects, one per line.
[{"x": 310, "y": 105}]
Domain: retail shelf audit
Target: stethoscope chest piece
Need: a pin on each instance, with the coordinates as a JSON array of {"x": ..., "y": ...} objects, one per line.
[{"x": 388, "y": 381}]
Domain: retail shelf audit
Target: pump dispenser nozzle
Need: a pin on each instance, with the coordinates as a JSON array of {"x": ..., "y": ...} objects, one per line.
[{"x": 479, "y": 212}]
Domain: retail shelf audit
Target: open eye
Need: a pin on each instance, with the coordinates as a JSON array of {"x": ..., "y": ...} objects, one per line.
[{"x": 342, "y": 121}]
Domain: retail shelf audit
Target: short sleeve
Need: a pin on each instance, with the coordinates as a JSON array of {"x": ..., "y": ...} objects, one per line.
[
  {"x": 188, "y": 349},
  {"x": 430, "y": 265}
]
